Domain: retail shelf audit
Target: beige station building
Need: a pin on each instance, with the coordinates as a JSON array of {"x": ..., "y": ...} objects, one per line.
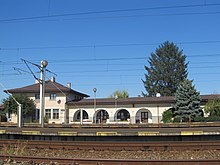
[{"x": 63, "y": 105}]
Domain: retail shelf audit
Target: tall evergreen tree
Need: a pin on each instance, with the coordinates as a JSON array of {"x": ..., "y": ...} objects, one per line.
[
  {"x": 167, "y": 69},
  {"x": 187, "y": 105}
]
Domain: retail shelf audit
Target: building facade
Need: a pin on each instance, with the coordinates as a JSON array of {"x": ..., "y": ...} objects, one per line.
[
  {"x": 56, "y": 97},
  {"x": 124, "y": 111},
  {"x": 65, "y": 105}
]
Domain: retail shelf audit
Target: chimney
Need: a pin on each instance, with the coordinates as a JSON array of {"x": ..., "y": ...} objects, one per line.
[
  {"x": 52, "y": 79},
  {"x": 68, "y": 85}
]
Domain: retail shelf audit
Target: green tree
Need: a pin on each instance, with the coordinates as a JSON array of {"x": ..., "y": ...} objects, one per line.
[
  {"x": 212, "y": 107},
  {"x": 187, "y": 106},
  {"x": 167, "y": 116},
  {"x": 10, "y": 106},
  {"x": 119, "y": 94},
  {"x": 167, "y": 68}
]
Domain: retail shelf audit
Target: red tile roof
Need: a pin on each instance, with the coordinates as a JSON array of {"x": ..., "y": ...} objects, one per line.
[{"x": 49, "y": 87}]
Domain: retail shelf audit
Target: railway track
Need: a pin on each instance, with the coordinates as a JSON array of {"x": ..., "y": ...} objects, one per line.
[
  {"x": 72, "y": 161},
  {"x": 114, "y": 146}
]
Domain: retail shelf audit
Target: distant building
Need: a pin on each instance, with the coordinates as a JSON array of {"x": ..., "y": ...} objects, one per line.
[
  {"x": 56, "y": 97},
  {"x": 64, "y": 105}
]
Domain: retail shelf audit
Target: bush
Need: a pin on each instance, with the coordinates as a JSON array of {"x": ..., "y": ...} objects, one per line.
[
  {"x": 46, "y": 120},
  {"x": 212, "y": 118},
  {"x": 3, "y": 118},
  {"x": 207, "y": 119},
  {"x": 199, "y": 119},
  {"x": 167, "y": 116},
  {"x": 177, "y": 119}
]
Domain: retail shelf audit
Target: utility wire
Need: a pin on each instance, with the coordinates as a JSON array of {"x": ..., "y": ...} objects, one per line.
[
  {"x": 90, "y": 75},
  {"x": 115, "y": 84},
  {"x": 39, "y": 67},
  {"x": 26, "y": 63},
  {"x": 118, "y": 17},
  {"x": 109, "y": 11},
  {"x": 107, "y": 45},
  {"x": 122, "y": 70},
  {"x": 82, "y": 61},
  {"x": 139, "y": 15},
  {"x": 100, "y": 71},
  {"x": 10, "y": 94},
  {"x": 68, "y": 98},
  {"x": 99, "y": 59},
  {"x": 21, "y": 70},
  {"x": 122, "y": 58}
]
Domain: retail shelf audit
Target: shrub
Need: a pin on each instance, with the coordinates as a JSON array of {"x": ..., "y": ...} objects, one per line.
[
  {"x": 177, "y": 119},
  {"x": 199, "y": 119},
  {"x": 167, "y": 116},
  {"x": 207, "y": 119},
  {"x": 212, "y": 118}
]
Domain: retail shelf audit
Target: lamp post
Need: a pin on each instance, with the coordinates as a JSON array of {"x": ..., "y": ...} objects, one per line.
[
  {"x": 19, "y": 115},
  {"x": 94, "y": 90},
  {"x": 44, "y": 63},
  {"x": 81, "y": 116},
  {"x": 116, "y": 97},
  {"x": 158, "y": 118}
]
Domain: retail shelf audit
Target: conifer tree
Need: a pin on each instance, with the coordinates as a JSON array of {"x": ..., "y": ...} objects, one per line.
[
  {"x": 167, "y": 68},
  {"x": 187, "y": 105}
]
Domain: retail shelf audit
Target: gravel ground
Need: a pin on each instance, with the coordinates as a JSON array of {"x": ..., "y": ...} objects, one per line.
[{"x": 153, "y": 155}]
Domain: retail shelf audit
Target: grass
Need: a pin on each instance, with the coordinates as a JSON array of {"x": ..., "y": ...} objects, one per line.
[{"x": 17, "y": 149}]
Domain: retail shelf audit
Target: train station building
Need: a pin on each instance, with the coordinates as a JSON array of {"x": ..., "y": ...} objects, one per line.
[{"x": 65, "y": 105}]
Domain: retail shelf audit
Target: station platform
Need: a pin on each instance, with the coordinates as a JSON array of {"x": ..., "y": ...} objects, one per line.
[{"x": 180, "y": 129}]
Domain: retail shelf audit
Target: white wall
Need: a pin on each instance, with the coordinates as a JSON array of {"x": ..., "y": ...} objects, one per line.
[
  {"x": 58, "y": 103},
  {"x": 112, "y": 111}
]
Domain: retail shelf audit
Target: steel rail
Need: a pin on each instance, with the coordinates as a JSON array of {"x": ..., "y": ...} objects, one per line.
[
  {"x": 104, "y": 125},
  {"x": 73, "y": 161}
]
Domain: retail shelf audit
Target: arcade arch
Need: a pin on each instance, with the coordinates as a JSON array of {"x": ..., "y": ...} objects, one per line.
[
  {"x": 122, "y": 115},
  {"x": 143, "y": 116},
  {"x": 76, "y": 116},
  {"x": 101, "y": 116}
]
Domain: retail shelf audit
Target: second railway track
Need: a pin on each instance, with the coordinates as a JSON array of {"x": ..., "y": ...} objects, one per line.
[{"x": 68, "y": 161}]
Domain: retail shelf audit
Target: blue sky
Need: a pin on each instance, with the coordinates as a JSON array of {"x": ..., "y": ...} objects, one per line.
[{"x": 105, "y": 44}]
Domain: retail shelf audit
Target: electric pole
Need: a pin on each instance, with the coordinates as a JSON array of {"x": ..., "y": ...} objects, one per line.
[
  {"x": 43, "y": 71},
  {"x": 43, "y": 66}
]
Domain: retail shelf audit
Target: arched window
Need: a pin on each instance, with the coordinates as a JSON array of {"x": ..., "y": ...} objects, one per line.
[
  {"x": 143, "y": 116},
  {"x": 123, "y": 115},
  {"x": 102, "y": 116},
  {"x": 77, "y": 115}
]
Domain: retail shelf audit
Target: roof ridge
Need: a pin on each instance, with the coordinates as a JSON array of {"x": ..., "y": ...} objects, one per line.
[{"x": 50, "y": 86}]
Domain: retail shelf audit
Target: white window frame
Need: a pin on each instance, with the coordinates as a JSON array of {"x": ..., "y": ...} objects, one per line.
[
  {"x": 48, "y": 114},
  {"x": 56, "y": 113},
  {"x": 53, "y": 96}
]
